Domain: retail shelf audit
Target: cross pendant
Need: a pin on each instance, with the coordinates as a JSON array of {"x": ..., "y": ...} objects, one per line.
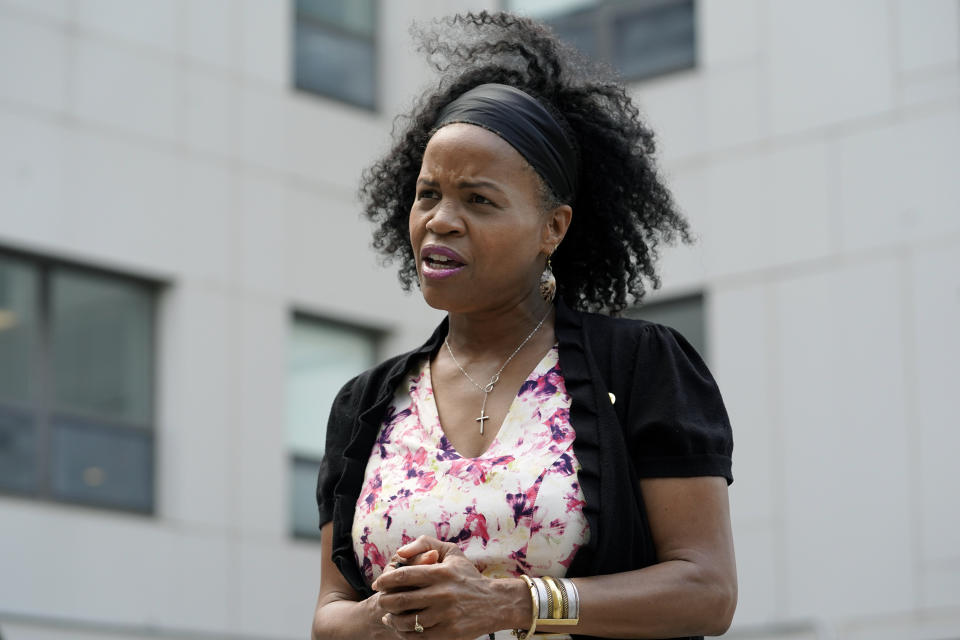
[
  {"x": 483, "y": 407},
  {"x": 481, "y": 419}
]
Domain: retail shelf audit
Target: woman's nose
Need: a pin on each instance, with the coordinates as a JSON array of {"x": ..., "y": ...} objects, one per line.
[{"x": 445, "y": 219}]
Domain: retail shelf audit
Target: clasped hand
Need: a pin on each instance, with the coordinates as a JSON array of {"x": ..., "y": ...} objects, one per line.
[{"x": 440, "y": 589}]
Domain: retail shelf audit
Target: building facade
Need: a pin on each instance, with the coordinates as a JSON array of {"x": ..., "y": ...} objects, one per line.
[{"x": 184, "y": 279}]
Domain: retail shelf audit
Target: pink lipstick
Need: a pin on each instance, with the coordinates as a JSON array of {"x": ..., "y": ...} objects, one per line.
[{"x": 437, "y": 262}]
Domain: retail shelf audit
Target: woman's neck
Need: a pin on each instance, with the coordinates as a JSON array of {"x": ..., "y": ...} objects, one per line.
[{"x": 495, "y": 332}]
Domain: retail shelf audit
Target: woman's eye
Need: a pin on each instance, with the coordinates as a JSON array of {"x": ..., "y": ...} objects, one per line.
[{"x": 479, "y": 199}]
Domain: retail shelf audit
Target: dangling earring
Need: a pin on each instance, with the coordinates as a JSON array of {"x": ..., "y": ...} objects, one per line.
[{"x": 548, "y": 283}]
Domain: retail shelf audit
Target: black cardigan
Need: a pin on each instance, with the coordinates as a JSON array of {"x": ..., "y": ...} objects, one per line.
[{"x": 673, "y": 419}]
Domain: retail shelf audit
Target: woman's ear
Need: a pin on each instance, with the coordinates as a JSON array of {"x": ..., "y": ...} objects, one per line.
[{"x": 557, "y": 223}]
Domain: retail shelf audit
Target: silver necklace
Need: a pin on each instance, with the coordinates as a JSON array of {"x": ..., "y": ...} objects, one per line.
[{"x": 495, "y": 378}]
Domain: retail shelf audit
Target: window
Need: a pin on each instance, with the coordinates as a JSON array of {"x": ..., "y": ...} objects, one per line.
[
  {"x": 639, "y": 38},
  {"x": 334, "y": 44},
  {"x": 684, "y": 314},
  {"x": 322, "y": 356},
  {"x": 76, "y": 384}
]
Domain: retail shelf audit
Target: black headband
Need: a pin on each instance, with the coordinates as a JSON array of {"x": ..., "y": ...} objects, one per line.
[{"x": 526, "y": 125}]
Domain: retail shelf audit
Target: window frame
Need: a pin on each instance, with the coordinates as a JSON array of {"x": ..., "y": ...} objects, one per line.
[
  {"x": 603, "y": 18},
  {"x": 700, "y": 296},
  {"x": 377, "y": 337},
  {"x": 338, "y": 30},
  {"x": 41, "y": 403}
]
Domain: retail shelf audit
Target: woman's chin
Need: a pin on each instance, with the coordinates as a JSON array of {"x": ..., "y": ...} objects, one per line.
[
  {"x": 450, "y": 297},
  {"x": 441, "y": 300}
]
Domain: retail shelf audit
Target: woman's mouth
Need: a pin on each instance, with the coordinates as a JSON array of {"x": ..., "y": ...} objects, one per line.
[{"x": 438, "y": 262}]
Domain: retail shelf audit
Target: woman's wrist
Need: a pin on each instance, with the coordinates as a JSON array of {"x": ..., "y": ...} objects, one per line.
[
  {"x": 346, "y": 618},
  {"x": 373, "y": 616},
  {"x": 516, "y": 606}
]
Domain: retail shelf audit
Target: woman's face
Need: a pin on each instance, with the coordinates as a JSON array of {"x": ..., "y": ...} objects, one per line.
[{"x": 477, "y": 228}]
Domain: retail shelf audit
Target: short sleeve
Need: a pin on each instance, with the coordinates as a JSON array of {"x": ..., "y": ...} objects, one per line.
[
  {"x": 339, "y": 432},
  {"x": 677, "y": 424}
]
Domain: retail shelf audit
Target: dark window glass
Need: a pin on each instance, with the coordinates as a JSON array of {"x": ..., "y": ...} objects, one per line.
[
  {"x": 101, "y": 347},
  {"x": 19, "y": 329},
  {"x": 76, "y": 384},
  {"x": 640, "y": 38},
  {"x": 355, "y": 16},
  {"x": 19, "y": 460},
  {"x": 335, "y": 49},
  {"x": 654, "y": 41},
  {"x": 303, "y": 500},
  {"x": 579, "y": 30},
  {"x": 322, "y": 356},
  {"x": 19, "y": 351},
  {"x": 102, "y": 465},
  {"x": 685, "y": 314}
]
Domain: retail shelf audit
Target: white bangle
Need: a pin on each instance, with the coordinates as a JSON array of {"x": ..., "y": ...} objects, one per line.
[
  {"x": 574, "y": 597},
  {"x": 544, "y": 599}
]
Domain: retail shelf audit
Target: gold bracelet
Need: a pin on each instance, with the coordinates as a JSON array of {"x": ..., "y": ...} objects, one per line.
[
  {"x": 557, "y": 611},
  {"x": 563, "y": 605},
  {"x": 535, "y": 600},
  {"x": 563, "y": 602},
  {"x": 550, "y": 598}
]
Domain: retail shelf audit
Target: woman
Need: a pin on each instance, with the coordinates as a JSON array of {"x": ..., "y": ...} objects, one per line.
[{"x": 532, "y": 466}]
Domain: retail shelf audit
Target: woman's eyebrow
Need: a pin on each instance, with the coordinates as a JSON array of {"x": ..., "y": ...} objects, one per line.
[
  {"x": 462, "y": 184},
  {"x": 473, "y": 184}
]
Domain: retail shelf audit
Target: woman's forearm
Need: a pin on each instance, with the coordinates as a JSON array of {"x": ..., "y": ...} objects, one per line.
[
  {"x": 666, "y": 600},
  {"x": 691, "y": 592},
  {"x": 343, "y": 619}
]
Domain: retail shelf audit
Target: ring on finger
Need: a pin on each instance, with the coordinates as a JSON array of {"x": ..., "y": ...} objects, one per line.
[{"x": 416, "y": 624}]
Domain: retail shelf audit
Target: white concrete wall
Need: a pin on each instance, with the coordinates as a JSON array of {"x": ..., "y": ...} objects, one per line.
[{"x": 814, "y": 148}]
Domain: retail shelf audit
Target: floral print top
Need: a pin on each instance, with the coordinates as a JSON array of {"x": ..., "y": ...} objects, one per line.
[{"x": 517, "y": 508}]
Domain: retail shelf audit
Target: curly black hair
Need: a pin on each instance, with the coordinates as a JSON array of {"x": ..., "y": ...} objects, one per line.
[{"x": 622, "y": 211}]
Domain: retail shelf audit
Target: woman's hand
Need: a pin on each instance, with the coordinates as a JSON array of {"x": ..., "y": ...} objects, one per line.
[
  {"x": 341, "y": 613},
  {"x": 449, "y": 598},
  {"x": 411, "y": 558}
]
